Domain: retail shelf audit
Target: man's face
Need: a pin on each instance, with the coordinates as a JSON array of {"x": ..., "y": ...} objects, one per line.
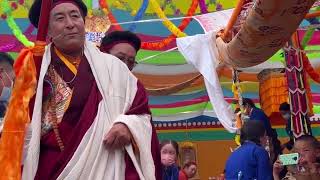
[
  {"x": 307, "y": 153},
  {"x": 126, "y": 53},
  {"x": 66, "y": 27}
]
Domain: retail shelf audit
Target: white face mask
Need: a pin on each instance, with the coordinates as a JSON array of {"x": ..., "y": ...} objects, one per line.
[
  {"x": 6, "y": 91},
  {"x": 245, "y": 117},
  {"x": 4, "y": 99},
  {"x": 286, "y": 116},
  {"x": 1, "y": 124},
  {"x": 167, "y": 159}
]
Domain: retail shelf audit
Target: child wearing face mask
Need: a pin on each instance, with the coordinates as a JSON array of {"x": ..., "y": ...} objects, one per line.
[
  {"x": 6, "y": 83},
  {"x": 169, "y": 150},
  {"x": 6, "y": 77}
]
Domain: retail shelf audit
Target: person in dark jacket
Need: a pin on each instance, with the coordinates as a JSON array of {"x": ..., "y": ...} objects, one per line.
[
  {"x": 255, "y": 113},
  {"x": 285, "y": 112},
  {"x": 250, "y": 160}
]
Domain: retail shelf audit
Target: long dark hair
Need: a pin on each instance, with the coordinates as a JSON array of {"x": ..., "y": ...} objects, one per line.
[
  {"x": 252, "y": 130},
  {"x": 172, "y": 142}
]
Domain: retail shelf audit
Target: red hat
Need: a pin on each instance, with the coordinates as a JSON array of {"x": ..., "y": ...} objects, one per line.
[
  {"x": 34, "y": 12},
  {"x": 116, "y": 37}
]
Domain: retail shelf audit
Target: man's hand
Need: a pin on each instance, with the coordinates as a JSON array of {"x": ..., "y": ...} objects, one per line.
[{"x": 118, "y": 136}]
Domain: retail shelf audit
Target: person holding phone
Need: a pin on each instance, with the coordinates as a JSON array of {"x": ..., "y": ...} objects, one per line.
[{"x": 307, "y": 166}]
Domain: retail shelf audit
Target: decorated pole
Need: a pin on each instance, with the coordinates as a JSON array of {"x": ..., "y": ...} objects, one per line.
[
  {"x": 17, "y": 116},
  {"x": 40, "y": 42},
  {"x": 42, "y": 31},
  {"x": 298, "y": 99},
  {"x": 236, "y": 89}
]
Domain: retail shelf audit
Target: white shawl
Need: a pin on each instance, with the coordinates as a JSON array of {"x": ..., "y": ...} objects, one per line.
[
  {"x": 201, "y": 51},
  {"x": 92, "y": 160}
]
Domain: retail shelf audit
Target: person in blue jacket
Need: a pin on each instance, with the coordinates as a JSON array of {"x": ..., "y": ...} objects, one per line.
[
  {"x": 250, "y": 161},
  {"x": 254, "y": 113}
]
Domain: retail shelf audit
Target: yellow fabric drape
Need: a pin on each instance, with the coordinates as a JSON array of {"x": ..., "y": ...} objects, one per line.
[{"x": 17, "y": 115}]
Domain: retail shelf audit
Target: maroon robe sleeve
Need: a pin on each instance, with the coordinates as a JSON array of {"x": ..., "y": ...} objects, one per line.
[{"x": 140, "y": 106}]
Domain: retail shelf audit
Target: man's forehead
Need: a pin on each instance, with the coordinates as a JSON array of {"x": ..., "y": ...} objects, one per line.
[
  {"x": 64, "y": 8},
  {"x": 124, "y": 48}
]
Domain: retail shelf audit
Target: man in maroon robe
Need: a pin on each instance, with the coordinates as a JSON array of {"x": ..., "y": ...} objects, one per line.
[
  {"x": 122, "y": 44},
  {"x": 125, "y": 46},
  {"x": 73, "y": 89}
]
